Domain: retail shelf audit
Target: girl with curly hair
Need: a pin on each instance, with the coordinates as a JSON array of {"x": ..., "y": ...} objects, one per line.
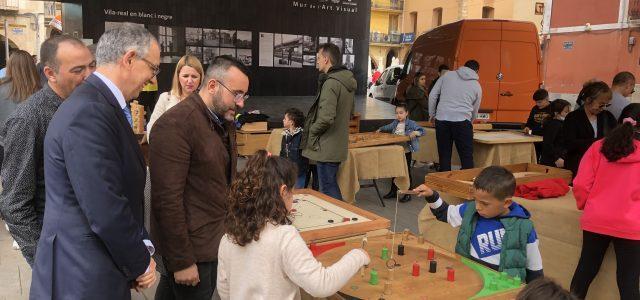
[
  {"x": 262, "y": 255},
  {"x": 607, "y": 188}
]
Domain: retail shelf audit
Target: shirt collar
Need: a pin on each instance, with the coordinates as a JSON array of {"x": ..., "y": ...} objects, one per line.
[
  {"x": 113, "y": 88},
  {"x": 52, "y": 95},
  {"x": 215, "y": 117}
]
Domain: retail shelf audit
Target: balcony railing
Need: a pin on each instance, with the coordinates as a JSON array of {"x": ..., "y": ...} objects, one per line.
[
  {"x": 12, "y": 5},
  {"x": 634, "y": 10},
  {"x": 387, "y": 5},
  {"x": 385, "y": 38}
]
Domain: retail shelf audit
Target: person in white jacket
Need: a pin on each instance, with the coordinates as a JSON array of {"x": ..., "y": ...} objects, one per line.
[
  {"x": 453, "y": 105},
  {"x": 262, "y": 255},
  {"x": 186, "y": 80}
]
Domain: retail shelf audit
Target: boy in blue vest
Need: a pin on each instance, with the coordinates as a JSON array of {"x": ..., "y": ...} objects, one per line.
[{"x": 494, "y": 230}]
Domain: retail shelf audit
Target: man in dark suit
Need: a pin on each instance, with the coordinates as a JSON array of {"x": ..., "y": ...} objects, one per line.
[{"x": 93, "y": 243}]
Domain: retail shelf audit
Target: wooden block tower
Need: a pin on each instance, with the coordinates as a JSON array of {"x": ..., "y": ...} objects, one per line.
[{"x": 137, "y": 115}]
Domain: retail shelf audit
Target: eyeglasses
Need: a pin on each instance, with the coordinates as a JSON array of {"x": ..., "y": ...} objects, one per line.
[
  {"x": 154, "y": 68},
  {"x": 237, "y": 96}
]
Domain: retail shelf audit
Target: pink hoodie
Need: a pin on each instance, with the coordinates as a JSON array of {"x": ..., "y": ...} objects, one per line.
[{"x": 609, "y": 193}]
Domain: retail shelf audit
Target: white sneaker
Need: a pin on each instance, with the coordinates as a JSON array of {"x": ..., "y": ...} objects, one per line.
[{"x": 15, "y": 246}]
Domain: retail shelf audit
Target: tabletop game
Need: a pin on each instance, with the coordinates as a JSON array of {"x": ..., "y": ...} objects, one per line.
[
  {"x": 370, "y": 139},
  {"x": 416, "y": 269},
  {"x": 319, "y": 217},
  {"x": 458, "y": 182}
]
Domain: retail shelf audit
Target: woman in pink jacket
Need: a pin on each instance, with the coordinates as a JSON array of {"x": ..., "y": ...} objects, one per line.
[{"x": 607, "y": 188}]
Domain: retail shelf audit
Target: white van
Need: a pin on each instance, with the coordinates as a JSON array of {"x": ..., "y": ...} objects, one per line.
[{"x": 385, "y": 87}]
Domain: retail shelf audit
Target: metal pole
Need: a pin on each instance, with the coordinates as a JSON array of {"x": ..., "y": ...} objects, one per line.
[{"x": 6, "y": 39}]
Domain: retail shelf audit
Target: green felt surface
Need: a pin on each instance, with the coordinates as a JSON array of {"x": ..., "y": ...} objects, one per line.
[{"x": 494, "y": 282}]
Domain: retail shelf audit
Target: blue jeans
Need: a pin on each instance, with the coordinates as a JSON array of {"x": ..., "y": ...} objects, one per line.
[{"x": 327, "y": 175}]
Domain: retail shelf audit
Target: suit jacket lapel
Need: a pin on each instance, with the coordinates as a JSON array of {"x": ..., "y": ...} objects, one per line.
[{"x": 111, "y": 99}]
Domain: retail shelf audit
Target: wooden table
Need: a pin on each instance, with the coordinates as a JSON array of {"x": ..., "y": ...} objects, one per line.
[
  {"x": 249, "y": 142},
  {"x": 557, "y": 224},
  {"x": 372, "y": 163},
  {"x": 321, "y": 218},
  {"x": 489, "y": 148},
  {"x": 471, "y": 279}
]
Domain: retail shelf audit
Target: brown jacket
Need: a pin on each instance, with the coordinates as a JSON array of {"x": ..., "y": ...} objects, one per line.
[{"x": 191, "y": 169}]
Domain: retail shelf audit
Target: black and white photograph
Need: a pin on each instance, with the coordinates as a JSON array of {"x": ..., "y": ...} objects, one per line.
[
  {"x": 308, "y": 44},
  {"x": 208, "y": 54},
  {"x": 244, "y": 39},
  {"x": 193, "y": 36},
  {"x": 228, "y": 51},
  {"x": 348, "y": 61},
  {"x": 244, "y": 55},
  {"x": 338, "y": 42},
  {"x": 348, "y": 46},
  {"x": 171, "y": 40},
  {"x": 323, "y": 40},
  {"x": 265, "y": 48},
  {"x": 227, "y": 38},
  {"x": 287, "y": 51},
  {"x": 309, "y": 60},
  {"x": 195, "y": 51},
  {"x": 211, "y": 37}
]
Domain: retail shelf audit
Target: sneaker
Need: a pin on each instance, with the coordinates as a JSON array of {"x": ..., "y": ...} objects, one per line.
[
  {"x": 390, "y": 195},
  {"x": 405, "y": 198}
]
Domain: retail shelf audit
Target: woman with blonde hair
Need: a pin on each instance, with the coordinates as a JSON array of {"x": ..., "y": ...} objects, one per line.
[
  {"x": 20, "y": 82},
  {"x": 186, "y": 80}
]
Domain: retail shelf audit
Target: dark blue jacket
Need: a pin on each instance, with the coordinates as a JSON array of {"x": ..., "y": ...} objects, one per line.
[
  {"x": 91, "y": 245},
  {"x": 290, "y": 149}
]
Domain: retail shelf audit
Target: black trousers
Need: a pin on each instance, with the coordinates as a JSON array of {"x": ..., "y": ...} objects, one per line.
[
  {"x": 594, "y": 247},
  {"x": 407, "y": 155},
  {"x": 461, "y": 133},
  {"x": 168, "y": 289}
]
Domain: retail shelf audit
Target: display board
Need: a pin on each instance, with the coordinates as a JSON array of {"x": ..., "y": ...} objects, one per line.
[{"x": 276, "y": 39}]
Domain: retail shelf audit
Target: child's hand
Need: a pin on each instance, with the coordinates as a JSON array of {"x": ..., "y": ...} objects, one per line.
[
  {"x": 367, "y": 254},
  {"x": 424, "y": 191},
  {"x": 414, "y": 134}
]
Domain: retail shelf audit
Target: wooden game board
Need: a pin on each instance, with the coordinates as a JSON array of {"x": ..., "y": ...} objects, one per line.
[
  {"x": 458, "y": 183},
  {"x": 504, "y": 137},
  {"x": 370, "y": 139},
  {"x": 319, "y": 218},
  {"x": 472, "y": 280}
]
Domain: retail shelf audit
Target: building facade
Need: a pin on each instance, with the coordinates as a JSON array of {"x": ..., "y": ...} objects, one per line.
[
  {"x": 24, "y": 23},
  {"x": 385, "y": 33},
  {"x": 589, "y": 39}
]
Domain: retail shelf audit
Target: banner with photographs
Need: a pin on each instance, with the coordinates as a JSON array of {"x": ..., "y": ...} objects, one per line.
[
  {"x": 277, "y": 40},
  {"x": 297, "y": 51}
]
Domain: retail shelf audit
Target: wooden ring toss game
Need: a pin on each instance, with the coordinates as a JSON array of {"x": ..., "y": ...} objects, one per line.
[
  {"x": 319, "y": 217},
  {"x": 370, "y": 139},
  {"x": 459, "y": 182},
  {"x": 419, "y": 271}
]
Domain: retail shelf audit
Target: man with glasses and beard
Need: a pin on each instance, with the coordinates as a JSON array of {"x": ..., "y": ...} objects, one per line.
[{"x": 192, "y": 162}]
